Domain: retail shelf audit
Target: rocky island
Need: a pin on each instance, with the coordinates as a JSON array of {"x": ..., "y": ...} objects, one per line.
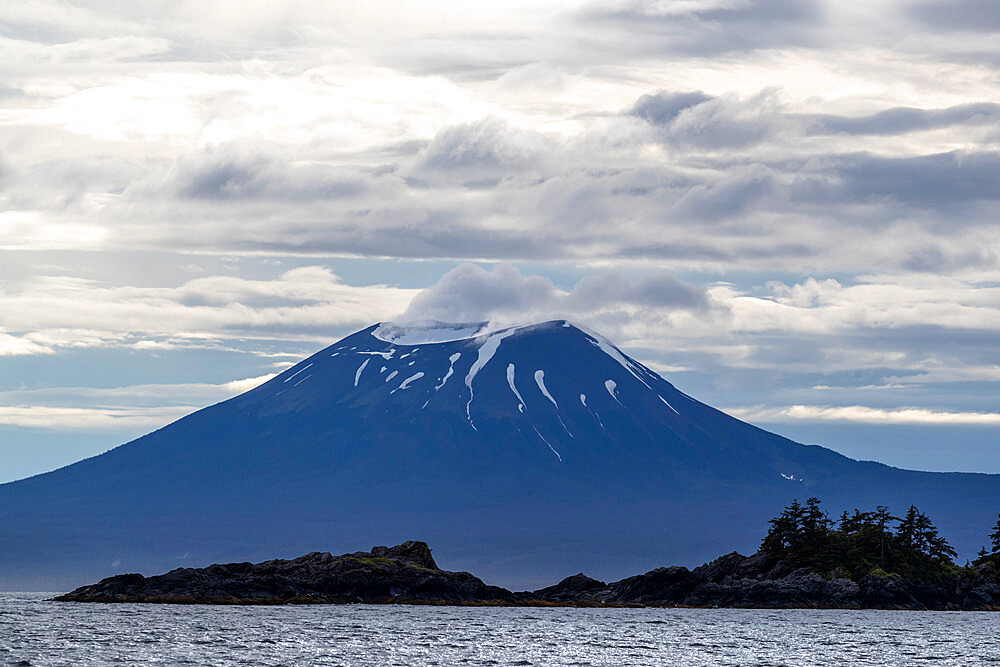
[
  {"x": 403, "y": 573},
  {"x": 804, "y": 562}
]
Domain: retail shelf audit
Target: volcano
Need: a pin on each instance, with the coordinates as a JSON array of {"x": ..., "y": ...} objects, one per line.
[{"x": 522, "y": 454}]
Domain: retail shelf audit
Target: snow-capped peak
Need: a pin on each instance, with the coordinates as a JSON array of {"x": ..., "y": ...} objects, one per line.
[
  {"x": 434, "y": 331},
  {"x": 428, "y": 331}
]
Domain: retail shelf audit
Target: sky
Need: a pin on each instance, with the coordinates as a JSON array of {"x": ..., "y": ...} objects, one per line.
[{"x": 787, "y": 208}]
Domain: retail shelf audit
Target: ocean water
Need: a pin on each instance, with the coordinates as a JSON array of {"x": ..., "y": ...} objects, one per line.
[{"x": 36, "y": 632}]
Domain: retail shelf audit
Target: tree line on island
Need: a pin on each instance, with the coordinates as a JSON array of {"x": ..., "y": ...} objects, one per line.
[{"x": 862, "y": 543}]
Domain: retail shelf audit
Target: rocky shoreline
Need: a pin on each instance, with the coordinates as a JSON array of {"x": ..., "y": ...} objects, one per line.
[{"x": 407, "y": 574}]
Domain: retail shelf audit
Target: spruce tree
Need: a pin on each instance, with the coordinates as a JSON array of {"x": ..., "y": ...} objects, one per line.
[
  {"x": 995, "y": 536},
  {"x": 882, "y": 518},
  {"x": 785, "y": 532},
  {"x": 907, "y": 531}
]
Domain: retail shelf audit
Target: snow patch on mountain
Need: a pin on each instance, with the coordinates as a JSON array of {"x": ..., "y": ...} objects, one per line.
[
  {"x": 610, "y": 386},
  {"x": 451, "y": 369},
  {"x": 361, "y": 368},
  {"x": 383, "y": 354},
  {"x": 510, "y": 381},
  {"x": 486, "y": 352},
  {"x": 406, "y": 383},
  {"x": 540, "y": 381}
]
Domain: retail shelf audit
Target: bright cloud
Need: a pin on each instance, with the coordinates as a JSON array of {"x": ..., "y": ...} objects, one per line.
[
  {"x": 114, "y": 408},
  {"x": 46, "y": 313},
  {"x": 863, "y": 414},
  {"x": 91, "y": 419}
]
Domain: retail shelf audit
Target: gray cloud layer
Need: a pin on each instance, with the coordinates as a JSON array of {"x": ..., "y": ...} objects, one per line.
[{"x": 750, "y": 189}]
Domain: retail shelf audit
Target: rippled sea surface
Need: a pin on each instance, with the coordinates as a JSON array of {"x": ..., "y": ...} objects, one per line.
[{"x": 36, "y": 632}]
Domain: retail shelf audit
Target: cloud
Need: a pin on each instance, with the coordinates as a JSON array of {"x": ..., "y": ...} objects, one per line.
[
  {"x": 961, "y": 15},
  {"x": 706, "y": 180},
  {"x": 11, "y": 346},
  {"x": 486, "y": 149},
  {"x": 44, "y": 314},
  {"x": 534, "y": 77},
  {"x": 710, "y": 28},
  {"x": 727, "y": 197},
  {"x": 114, "y": 408},
  {"x": 231, "y": 172},
  {"x": 863, "y": 414},
  {"x": 901, "y": 120},
  {"x": 470, "y": 293},
  {"x": 827, "y": 306},
  {"x": 91, "y": 419},
  {"x": 246, "y": 384},
  {"x": 659, "y": 291},
  {"x": 943, "y": 180},
  {"x": 695, "y": 119},
  {"x": 663, "y": 107},
  {"x": 100, "y": 50}
]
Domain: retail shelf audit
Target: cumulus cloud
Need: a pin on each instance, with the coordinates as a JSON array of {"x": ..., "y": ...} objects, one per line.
[
  {"x": 663, "y": 107},
  {"x": 486, "y": 149},
  {"x": 695, "y": 119},
  {"x": 502, "y": 295}
]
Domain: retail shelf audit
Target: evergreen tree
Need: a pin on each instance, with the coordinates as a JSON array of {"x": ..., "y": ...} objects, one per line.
[
  {"x": 939, "y": 549},
  {"x": 785, "y": 531},
  {"x": 906, "y": 533},
  {"x": 925, "y": 537},
  {"x": 882, "y": 518},
  {"x": 995, "y": 536},
  {"x": 814, "y": 521},
  {"x": 804, "y": 536}
]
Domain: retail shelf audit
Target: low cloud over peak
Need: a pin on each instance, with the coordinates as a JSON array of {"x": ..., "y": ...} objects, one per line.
[{"x": 471, "y": 293}]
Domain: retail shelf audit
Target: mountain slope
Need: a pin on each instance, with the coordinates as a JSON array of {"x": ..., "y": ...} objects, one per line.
[{"x": 521, "y": 454}]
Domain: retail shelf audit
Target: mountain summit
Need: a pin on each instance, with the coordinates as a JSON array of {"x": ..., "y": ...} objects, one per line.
[{"x": 522, "y": 453}]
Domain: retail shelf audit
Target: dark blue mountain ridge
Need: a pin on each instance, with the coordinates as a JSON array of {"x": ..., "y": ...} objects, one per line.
[{"x": 523, "y": 455}]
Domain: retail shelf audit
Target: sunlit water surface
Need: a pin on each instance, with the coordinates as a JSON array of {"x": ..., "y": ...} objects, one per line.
[{"x": 36, "y": 632}]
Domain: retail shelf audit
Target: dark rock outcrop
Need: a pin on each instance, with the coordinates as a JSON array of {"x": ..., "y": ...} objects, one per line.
[
  {"x": 578, "y": 589},
  {"x": 761, "y": 581},
  {"x": 407, "y": 573},
  {"x": 404, "y": 573}
]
